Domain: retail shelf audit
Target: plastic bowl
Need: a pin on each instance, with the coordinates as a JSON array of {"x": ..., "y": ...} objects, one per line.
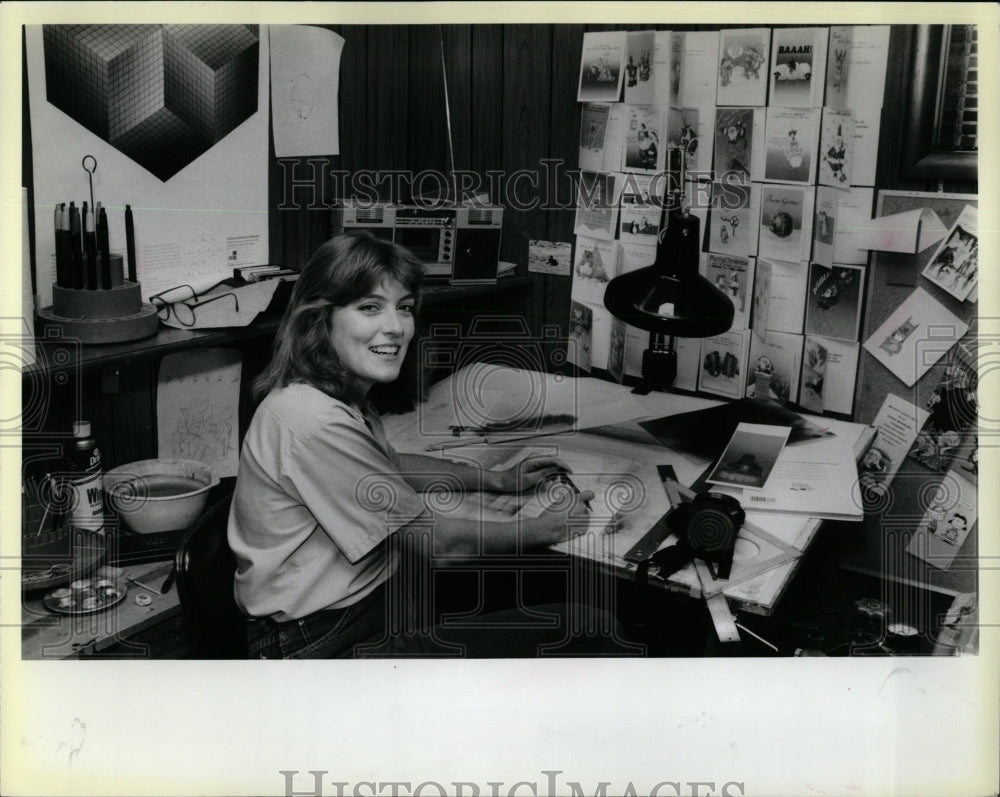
[{"x": 159, "y": 494}]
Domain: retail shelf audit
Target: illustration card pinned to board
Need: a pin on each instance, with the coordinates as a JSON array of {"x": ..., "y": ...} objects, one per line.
[
  {"x": 197, "y": 408},
  {"x": 581, "y": 326},
  {"x": 798, "y": 67},
  {"x": 949, "y": 519},
  {"x": 602, "y": 66},
  {"x": 905, "y": 267},
  {"x": 917, "y": 334},
  {"x": 955, "y": 265},
  {"x": 897, "y": 422},
  {"x": 742, "y": 67},
  {"x": 305, "y": 76},
  {"x": 550, "y": 257},
  {"x": 954, "y": 411},
  {"x": 594, "y": 119}
]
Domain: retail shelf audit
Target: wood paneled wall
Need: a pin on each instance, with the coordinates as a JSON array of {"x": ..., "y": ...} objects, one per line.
[{"x": 512, "y": 97}]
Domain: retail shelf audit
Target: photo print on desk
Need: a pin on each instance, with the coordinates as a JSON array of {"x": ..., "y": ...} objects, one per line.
[
  {"x": 798, "y": 67},
  {"x": 602, "y": 66},
  {"x": 834, "y": 301},
  {"x": 750, "y": 455},
  {"x": 744, "y": 56},
  {"x": 954, "y": 268},
  {"x": 953, "y": 410}
]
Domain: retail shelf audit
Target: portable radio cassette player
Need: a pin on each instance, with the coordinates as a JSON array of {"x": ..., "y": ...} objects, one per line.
[{"x": 457, "y": 243}]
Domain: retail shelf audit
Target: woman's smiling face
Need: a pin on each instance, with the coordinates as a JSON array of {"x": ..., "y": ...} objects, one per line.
[{"x": 371, "y": 334}]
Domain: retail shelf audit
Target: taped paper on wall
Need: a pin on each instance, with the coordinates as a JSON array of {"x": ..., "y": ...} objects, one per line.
[{"x": 197, "y": 408}]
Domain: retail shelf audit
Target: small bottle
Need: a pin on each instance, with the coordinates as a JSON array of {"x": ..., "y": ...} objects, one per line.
[{"x": 86, "y": 480}]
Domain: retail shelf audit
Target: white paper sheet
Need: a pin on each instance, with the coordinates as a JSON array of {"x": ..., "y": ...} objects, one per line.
[
  {"x": 305, "y": 78},
  {"x": 197, "y": 408}
]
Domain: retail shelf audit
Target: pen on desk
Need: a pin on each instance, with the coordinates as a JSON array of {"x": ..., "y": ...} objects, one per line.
[
  {"x": 75, "y": 259},
  {"x": 104, "y": 244},
  {"x": 60, "y": 265},
  {"x": 91, "y": 244},
  {"x": 130, "y": 242}
]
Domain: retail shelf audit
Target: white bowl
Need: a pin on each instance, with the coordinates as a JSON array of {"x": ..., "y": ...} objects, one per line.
[{"x": 159, "y": 494}]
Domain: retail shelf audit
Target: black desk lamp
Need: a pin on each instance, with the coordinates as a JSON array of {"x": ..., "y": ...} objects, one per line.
[{"x": 670, "y": 299}]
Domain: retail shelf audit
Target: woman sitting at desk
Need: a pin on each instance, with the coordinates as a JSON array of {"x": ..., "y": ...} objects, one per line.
[{"x": 321, "y": 496}]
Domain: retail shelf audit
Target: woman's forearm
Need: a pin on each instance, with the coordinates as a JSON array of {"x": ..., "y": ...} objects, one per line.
[
  {"x": 442, "y": 535},
  {"x": 422, "y": 472}
]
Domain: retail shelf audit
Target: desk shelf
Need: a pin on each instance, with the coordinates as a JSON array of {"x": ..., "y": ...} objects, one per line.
[{"x": 54, "y": 354}]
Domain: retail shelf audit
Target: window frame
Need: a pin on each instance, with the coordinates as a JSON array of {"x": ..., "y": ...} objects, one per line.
[{"x": 920, "y": 159}]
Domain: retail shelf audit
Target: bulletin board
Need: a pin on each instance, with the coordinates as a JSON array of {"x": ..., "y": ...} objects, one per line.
[{"x": 892, "y": 278}]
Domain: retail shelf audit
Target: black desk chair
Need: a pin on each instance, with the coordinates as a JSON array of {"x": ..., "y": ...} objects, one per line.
[{"x": 205, "y": 568}]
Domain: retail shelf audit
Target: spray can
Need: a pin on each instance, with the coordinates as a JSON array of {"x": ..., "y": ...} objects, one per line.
[{"x": 86, "y": 481}]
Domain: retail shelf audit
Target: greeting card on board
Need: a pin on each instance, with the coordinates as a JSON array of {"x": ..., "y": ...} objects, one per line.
[
  {"x": 742, "y": 68},
  {"x": 733, "y": 276},
  {"x": 593, "y": 134},
  {"x": 739, "y": 144},
  {"x": 786, "y": 214},
  {"x": 723, "y": 363},
  {"x": 733, "y": 228},
  {"x": 640, "y": 213},
  {"x": 644, "y": 152},
  {"x": 833, "y": 305},
  {"x": 602, "y": 66},
  {"x": 792, "y": 138},
  {"x": 829, "y": 374},
  {"x": 838, "y": 66},
  {"x": 917, "y": 334},
  {"x": 639, "y": 74},
  {"x": 955, "y": 265},
  {"x": 836, "y": 148},
  {"x": 779, "y": 355},
  {"x": 595, "y": 266},
  {"x": 788, "y": 295},
  {"x": 798, "y": 67},
  {"x": 597, "y": 204}
]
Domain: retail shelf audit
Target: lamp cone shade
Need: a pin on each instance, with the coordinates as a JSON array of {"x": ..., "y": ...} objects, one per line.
[{"x": 670, "y": 296}]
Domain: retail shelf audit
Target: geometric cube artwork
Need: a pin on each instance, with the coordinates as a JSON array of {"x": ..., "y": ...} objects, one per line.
[{"x": 161, "y": 94}]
